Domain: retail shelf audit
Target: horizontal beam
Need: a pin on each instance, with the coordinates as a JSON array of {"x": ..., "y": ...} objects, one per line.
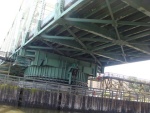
[
  {"x": 66, "y": 43},
  {"x": 95, "y": 39},
  {"x": 90, "y": 28},
  {"x": 143, "y": 49},
  {"x": 140, "y": 43},
  {"x": 72, "y": 38},
  {"x": 103, "y": 46},
  {"x": 57, "y": 37},
  {"x": 40, "y": 47},
  {"x": 140, "y": 5},
  {"x": 137, "y": 36},
  {"x": 104, "y": 34},
  {"x": 107, "y": 22},
  {"x": 79, "y": 48}
]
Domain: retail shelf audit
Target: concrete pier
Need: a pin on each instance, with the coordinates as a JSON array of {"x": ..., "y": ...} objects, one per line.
[
  {"x": 9, "y": 94},
  {"x": 24, "y": 97}
]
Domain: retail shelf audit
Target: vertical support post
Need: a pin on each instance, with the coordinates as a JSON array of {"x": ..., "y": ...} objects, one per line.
[
  {"x": 9, "y": 68},
  {"x": 137, "y": 97},
  {"x": 46, "y": 86},
  {"x": 102, "y": 69}
]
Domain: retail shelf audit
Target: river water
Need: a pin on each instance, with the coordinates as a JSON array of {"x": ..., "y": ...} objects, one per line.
[{"x": 10, "y": 109}]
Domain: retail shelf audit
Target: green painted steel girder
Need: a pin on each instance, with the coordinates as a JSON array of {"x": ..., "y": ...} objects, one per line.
[
  {"x": 108, "y": 22},
  {"x": 104, "y": 46},
  {"x": 115, "y": 24},
  {"x": 75, "y": 37},
  {"x": 90, "y": 28},
  {"x": 77, "y": 54},
  {"x": 140, "y": 43},
  {"x": 72, "y": 38},
  {"x": 80, "y": 42},
  {"x": 114, "y": 10},
  {"x": 98, "y": 9},
  {"x": 33, "y": 51},
  {"x": 137, "y": 36},
  {"x": 57, "y": 37},
  {"x": 66, "y": 43},
  {"x": 40, "y": 47},
  {"x": 139, "y": 5},
  {"x": 143, "y": 48},
  {"x": 51, "y": 46},
  {"x": 104, "y": 33},
  {"x": 79, "y": 48},
  {"x": 95, "y": 39}
]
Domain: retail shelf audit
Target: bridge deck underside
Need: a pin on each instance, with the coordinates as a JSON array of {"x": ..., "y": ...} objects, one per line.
[{"x": 108, "y": 32}]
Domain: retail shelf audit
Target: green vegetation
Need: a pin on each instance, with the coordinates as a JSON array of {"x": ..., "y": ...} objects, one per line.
[{"x": 137, "y": 86}]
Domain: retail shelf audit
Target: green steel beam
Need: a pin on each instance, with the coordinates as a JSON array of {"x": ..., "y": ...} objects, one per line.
[
  {"x": 91, "y": 28},
  {"x": 103, "y": 47},
  {"x": 98, "y": 9},
  {"x": 102, "y": 32},
  {"x": 66, "y": 43},
  {"x": 33, "y": 51},
  {"x": 137, "y": 4},
  {"x": 79, "y": 48},
  {"x": 133, "y": 23},
  {"x": 67, "y": 49},
  {"x": 95, "y": 40},
  {"x": 57, "y": 37},
  {"x": 114, "y": 10},
  {"x": 75, "y": 6},
  {"x": 89, "y": 20},
  {"x": 113, "y": 57},
  {"x": 115, "y": 24},
  {"x": 137, "y": 36},
  {"x": 75, "y": 37},
  {"x": 144, "y": 49},
  {"x": 81, "y": 43},
  {"x": 77, "y": 54},
  {"x": 108, "y": 21},
  {"x": 54, "y": 48},
  {"x": 40, "y": 47},
  {"x": 60, "y": 31},
  {"x": 96, "y": 59},
  {"x": 139, "y": 43}
]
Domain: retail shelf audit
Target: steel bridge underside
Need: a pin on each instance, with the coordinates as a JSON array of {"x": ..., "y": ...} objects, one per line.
[{"x": 107, "y": 32}]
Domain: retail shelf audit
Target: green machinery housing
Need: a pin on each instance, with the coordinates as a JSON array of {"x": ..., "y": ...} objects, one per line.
[{"x": 56, "y": 68}]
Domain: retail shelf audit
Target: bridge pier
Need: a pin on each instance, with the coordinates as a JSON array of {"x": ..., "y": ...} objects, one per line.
[
  {"x": 52, "y": 67},
  {"x": 64, "y": 100}
]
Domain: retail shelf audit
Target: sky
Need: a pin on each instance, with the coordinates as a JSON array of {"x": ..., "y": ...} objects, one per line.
[
  {"x": 138, "y": 69},
  {"x": 10, "y": 8},
  {"x": 8, "y": 11}
]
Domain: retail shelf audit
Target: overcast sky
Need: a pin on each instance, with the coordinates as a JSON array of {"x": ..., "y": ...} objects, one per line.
[
  {"x": 8, "y": 11},
  {"x": 138, "y": 69}
]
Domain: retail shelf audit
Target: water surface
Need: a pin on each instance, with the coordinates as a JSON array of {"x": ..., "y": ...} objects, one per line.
[{"x": 10, "y": 109}]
